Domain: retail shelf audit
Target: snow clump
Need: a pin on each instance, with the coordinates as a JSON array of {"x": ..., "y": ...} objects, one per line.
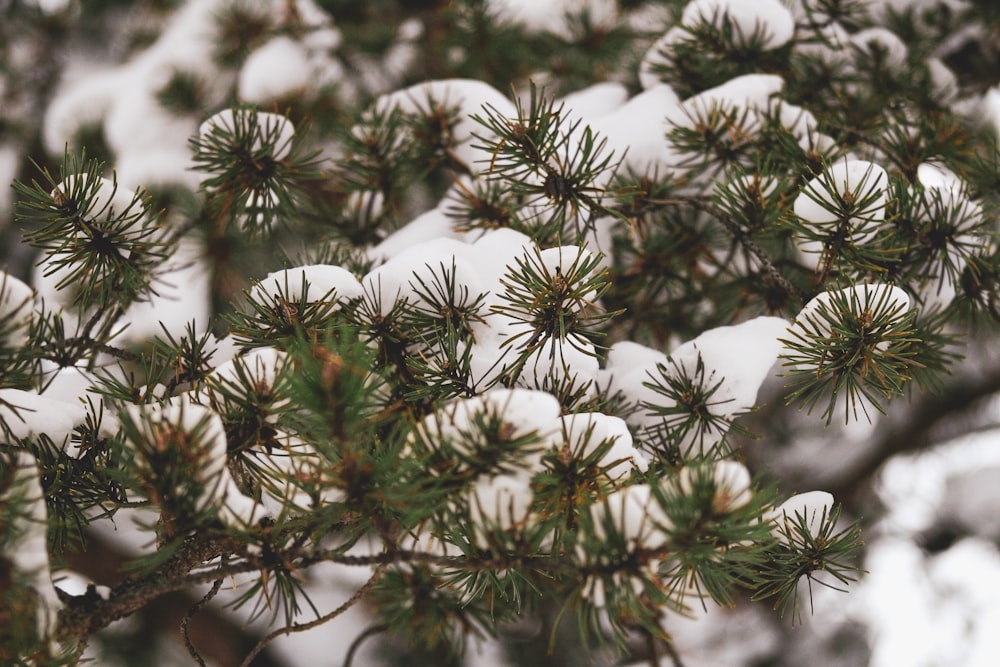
[
  {"x": 799, "y": 520},
  {"x": 846, "y": 201},
  {"x": 24, "y": 545},
  {"x": 16, "y": 311},
  {"x": 729, "y": 481},
  {"x": 261, "y": 130},
  {"x": 200, "y": 434},
  {"x": 585, "y": 432},
  {"x": 311, "y": 283},
  {"x": 725, "y": 365}
]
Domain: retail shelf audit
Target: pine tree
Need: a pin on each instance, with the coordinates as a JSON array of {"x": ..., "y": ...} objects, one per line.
[{"x": 490, "y": 307}]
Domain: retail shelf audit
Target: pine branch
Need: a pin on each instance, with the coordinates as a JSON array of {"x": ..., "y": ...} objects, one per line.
[
  {"x": 741, "y": 235},
  {"x": 302, "y": 627},
  {"x": 913, "y": 432},
  {"x": 85, "y": 614}
]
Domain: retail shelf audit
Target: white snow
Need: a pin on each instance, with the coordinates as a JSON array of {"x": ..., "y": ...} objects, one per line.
[
  {"x": 559, "y": 362},
  {"x": 552, "y": 16},
  {"x": 428, "y": 226},
  {"x": 566, "y": 263},
  {"x": 366, "y": 205},
  {"x": 136, "y": 122},
  {"x": 742, "y": 354},
  {"x": 730, "y": 479},
  {"x": 16, "y": 300},
  {"x": 753, "y": 91},
  {"x": 525, "y": 413},
  {"x": 277, "y": 69},
  {"x": 933, "y": 609},
  {"x": 26, "y": 414},
  {"x": 500, "y": 502},
  {"x": 991, "y": 108},
  {"x": 182, "y": 295},
  {"x": 831, "y": 44},
  {"x": 627, "y": 354},
  {"x": 496, "y": 251},
  {"x": 880, "y": 40},
  {"x": 312, "y": 282},
  {"x": 585, "y": 431},
  {"x": 106, "y": 199},
  {"x": 412, "y": 275},
  {"x": 812, "y": 507},
  {"x": 27, "y": 549},
  {"x": 716, "y": 636},
  {"x": 122, "y": 100},
  {"x": 851, "y": 192},
  {"x": 10, "y": 161},
  {"x": 270, "y": 129},
  {"x": 736, "y": 358},
  {"x": 836, "y": 188},
  {"x": 941, "y": 195},
  {"x": 206, "y": 458},
  {"x": 944, "y": 83},
  {"x": 949, "y": 200},
  {"x": 183, "y": 414},
  {"x": 595, "y": 100},
  {"x": 247, "y": 376},
  {"x": 83, "y": 99},
  {"x": 802, "y": 125},
  {"x": 879, "y": 298},
  {"x": 158, "y": 166},
  {"x": 658, "y": 57},
  {"x": 765, "y": 22},
  {"x": 65, "y": 384},
  {"x": 736, "y": 106},
  {"x": 468, "y": 95},
  {"x": 634, "y": 514}
]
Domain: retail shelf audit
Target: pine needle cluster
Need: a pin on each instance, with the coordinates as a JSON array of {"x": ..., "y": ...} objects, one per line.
[{"x": 475, "y": 336}]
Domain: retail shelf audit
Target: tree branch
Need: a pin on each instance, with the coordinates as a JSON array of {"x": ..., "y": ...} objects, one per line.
[
  {"x": 301, "y": 627},
  {"x": 190, "y": 614},
  {"x": 741, "y": 236},
  {"x": 912, "y": 433},
  {"x": 85, "y": 614}
]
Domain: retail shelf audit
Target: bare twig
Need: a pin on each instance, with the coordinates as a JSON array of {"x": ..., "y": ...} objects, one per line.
[
  {"x": 90, "y": 344},
  {"x": 356, "y": 644},
  {"x": 543, "y": 563},
  {"x": 741, "y": 236},
  {"x": 654, "y": 653},
  {"x": 300, "y": 627},
  {"x": 190, "y": 614},
  {"x": 674, "y": 656}
]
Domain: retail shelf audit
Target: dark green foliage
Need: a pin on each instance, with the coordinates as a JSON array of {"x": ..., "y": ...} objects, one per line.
[{"x": 300, "y": 429}]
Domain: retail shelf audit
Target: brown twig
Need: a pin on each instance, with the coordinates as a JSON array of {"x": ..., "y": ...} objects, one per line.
[
  {"x": 301, "y": 627},
  {"x": 83, "y": 615},
  {"x": 674, "y": 656},
  {"x": 221, "y": 640},
  {"x": 369, "y": 632},
  {"x": 190, "y": 614},
  {"x": 654, "y": 653},
  {"x": 741, "y": 236},
  {"x": 92, "y": 345}
]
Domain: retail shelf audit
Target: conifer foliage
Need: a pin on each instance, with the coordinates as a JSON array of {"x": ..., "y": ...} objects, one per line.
[{"x": 474, "y": 299}]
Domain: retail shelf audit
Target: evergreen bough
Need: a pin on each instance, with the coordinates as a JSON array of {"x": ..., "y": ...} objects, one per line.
[{"x": 439, "y": 334}]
